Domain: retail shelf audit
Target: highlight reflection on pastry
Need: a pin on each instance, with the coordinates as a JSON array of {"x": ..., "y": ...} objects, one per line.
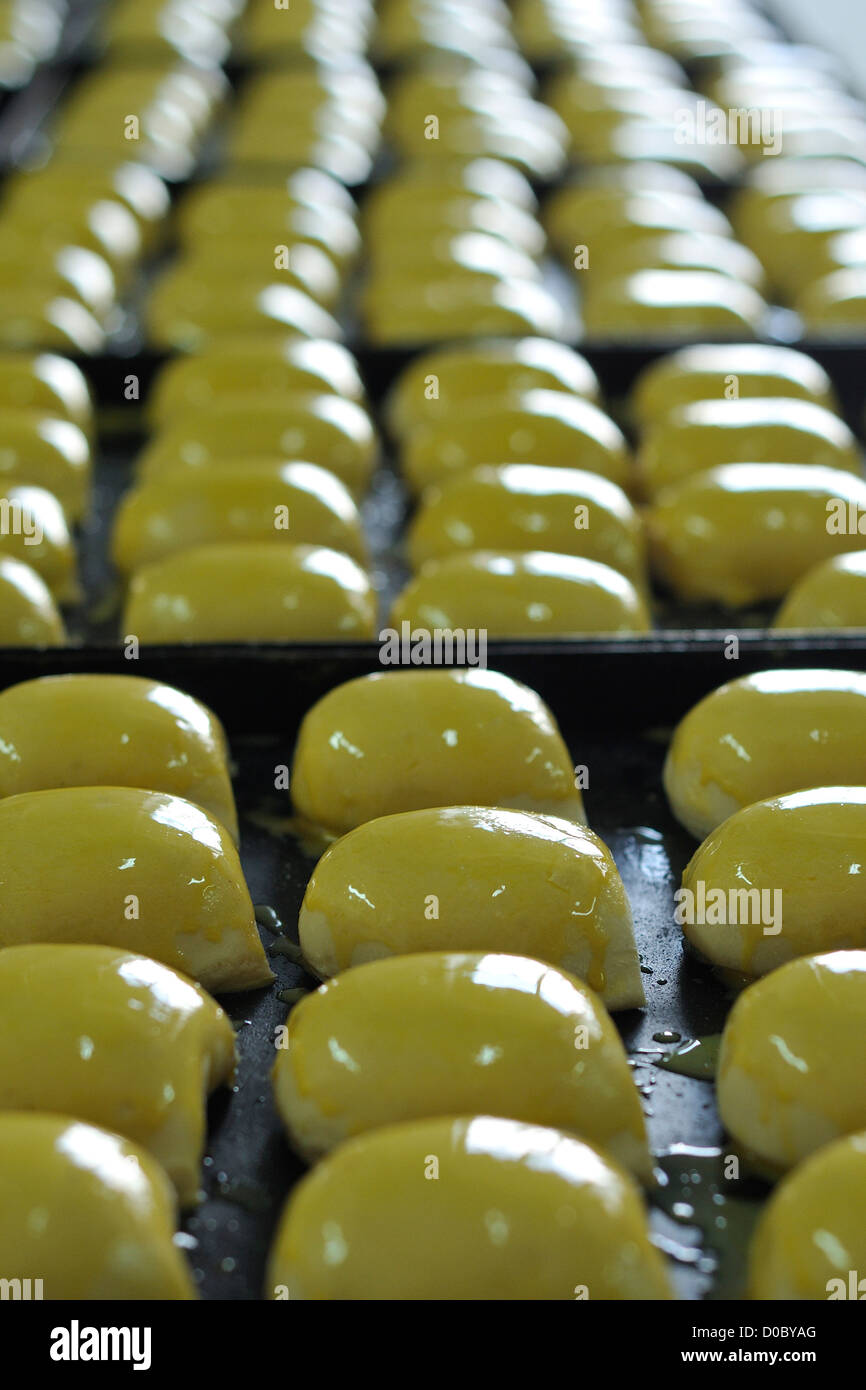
[
  {"x": 138, "y": 870},
  {"x": 121, "y": 731},
  {"x": 470, "y": 878},
  {"x": 791, "y": 1071},
  {"x": 406, "y": 740},
  {"x": 492, "y": 1033},
  {"x": 766, "y": 735},
  {"x": 115, "y": 1039},
  {"x": 466, "y": 1208}
]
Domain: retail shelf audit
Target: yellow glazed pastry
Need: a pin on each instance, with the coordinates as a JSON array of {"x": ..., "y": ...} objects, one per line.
[
  {"x": 726, "y": 371},
  {"x": 439, "y": 383},
  {"x": 400, "y": 218},
  {"x": 115, "y": 1039},
  {"x": 33, "y": 529},
  {"x": 534, "y": 593},
  {"x": 435, "y": 183},
  {"x": 121, "y": 731},
  {"x": 528, "y": 506},
  {"x": 595, "y": 202},
  {"x": 791, "y": 1072},
  {"x": 446, "y": 259},
  {"x": 33, "y": 317},
  {"x": 709, "y": 433},
  {"x": 70, "y": 270},
  {"x": 251, "y": 591},
  {"x": 766, "y": 735},
  {"x": 29, "y": 616},
  {"x": 48, "y": 384},
  {"x": 416, "y": 311},
  {"x": 680, "y": 251},
  {"x": 470, "y": 878},
  {"x": 290, "y": 502},
  {"x": 832, "y": 595},
  {"x": 470, "y": 1208},
  {"x": 134, "y": 869},
  {"x": 90, "y": 1214},
  {"x": 43, "y": 451},
  {"x": 777, "y": 879},
  {"x": 484, "y": 1029},
  {"x": 202, "y": 315},
  {"x": 835, "y": 305},
  {"x": 671, "y": 304},
  {"x": 403, "y": 228},
  {"x": 36, "y": 193},
  {"x": 536, "y": 426},
  {"x": 191, "y": 288},
  {"x": 609, "y": 226},
  {"x": 325, "y": 429},
  {"x": 747, "y": 532},
  {"x": 471, "y": 737},
  {"x": 216, "y": 211},
  {"x": 810, "y": 1241},
  {"x": 247, "y": 367}
]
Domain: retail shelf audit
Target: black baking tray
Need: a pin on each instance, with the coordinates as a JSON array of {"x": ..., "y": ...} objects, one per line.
[
  {"x": 123, "y": 433},
  {"x": 616, "y": 705}
]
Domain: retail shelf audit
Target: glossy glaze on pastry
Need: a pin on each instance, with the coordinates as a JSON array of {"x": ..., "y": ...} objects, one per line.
[
  {"x": 527, "y": 506},
  {"x": 90, "y": 1214},
  {"x": 294, "y": 503},
  {"x": 766, "y": 735},
  {"x": 780, "y": 878},
  {"x": 791, "y": 1069},
  {"x": 832, "y": 595},
  {"x": 121, "y": 731},
  {"x": 138, "y": 870},
  {"x": 115, "y": 1039},
  {"x": 810, "y": 1241},
  {"x": 522, "y": 595},
  {"x": 745, "y": 533},
  {"x": 548, "y": 427},
  {"x": 405, "y": 740},
  {"x": 251, "y": 591}
]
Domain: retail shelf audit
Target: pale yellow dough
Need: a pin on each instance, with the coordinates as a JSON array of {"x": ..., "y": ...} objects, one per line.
[{"x": 810, "y": 1241}]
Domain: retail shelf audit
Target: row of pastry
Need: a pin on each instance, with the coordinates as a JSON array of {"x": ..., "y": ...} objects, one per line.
[
  {"x": 745, "y": 487},
  {"x": 244, "y": 523},
  {"x": 768, "y": 772},
  {"x": 452, "y": 252}
]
